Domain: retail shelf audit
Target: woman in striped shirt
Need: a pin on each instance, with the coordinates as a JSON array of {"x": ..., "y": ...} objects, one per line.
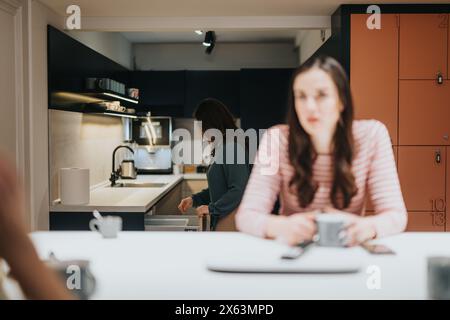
[{"x": 324, "y": 162}]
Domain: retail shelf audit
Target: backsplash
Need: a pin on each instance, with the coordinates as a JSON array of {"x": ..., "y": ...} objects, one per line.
[{"x": 82, "y": 140}]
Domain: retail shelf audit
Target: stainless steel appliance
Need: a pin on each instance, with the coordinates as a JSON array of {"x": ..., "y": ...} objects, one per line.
[
  {"x": 153, "y": 136},
  {"x": 128, "y": 169}
]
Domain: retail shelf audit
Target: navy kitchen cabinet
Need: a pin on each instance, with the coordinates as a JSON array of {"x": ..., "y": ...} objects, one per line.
[
  {"x": 264, "y": 97},
  {"x": 161, "y": 92},
  {"x": 222, "y": 85}
]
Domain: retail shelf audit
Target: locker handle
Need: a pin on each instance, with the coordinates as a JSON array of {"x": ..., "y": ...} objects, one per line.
[
  {"x": 437, "y": 157},
  {"x": 439, "y": 78}
]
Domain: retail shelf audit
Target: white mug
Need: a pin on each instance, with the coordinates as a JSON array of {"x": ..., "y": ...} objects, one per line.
[{"x": 108, "y": 226}]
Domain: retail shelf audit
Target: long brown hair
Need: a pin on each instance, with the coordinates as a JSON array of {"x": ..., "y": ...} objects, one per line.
[
  {"x": 214, "y": 115},
  {"x": 301, "y": 150}
]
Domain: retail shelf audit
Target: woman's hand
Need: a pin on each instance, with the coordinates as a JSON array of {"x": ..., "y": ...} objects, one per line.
[
  {"x": 358, "y": 229},
  {"x": 202, "y": 211},
  {"x": 292, "y": 229},
  {"x": 185, "y": 204}
]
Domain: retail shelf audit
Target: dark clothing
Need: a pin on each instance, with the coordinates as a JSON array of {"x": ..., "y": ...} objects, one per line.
[{"x": 226, "y": 183}]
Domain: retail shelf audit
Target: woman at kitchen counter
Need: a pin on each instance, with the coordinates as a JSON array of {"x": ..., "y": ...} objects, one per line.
[
  {"x": 226, "y": 181},
  {"x": 324, "y": 161}
]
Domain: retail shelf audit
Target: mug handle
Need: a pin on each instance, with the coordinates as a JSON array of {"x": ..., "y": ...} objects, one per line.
[{"x": 94, "y": 225}]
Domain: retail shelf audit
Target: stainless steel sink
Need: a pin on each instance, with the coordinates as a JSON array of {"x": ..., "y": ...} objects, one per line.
[{"x": 139, "y": 185}]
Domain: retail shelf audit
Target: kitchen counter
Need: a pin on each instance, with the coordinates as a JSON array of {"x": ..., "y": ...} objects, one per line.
[
  {"x": 132, "y": 204},
  {"x": 106, "y": 199},
  {"x": 168, "y": 265}
]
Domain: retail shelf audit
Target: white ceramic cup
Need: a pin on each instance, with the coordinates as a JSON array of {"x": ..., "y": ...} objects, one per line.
[
  {"x": 331, "y": 229},
  {"x": 109, "y": 226}
]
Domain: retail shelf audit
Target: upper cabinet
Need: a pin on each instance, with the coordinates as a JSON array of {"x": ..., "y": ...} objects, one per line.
[
  {"x": 423, "y": 46},
  {"x": 264, "y": 97},
  {"x": 221, "y": 85},
  {"x": 374, "y": 70},
  {"x": 161, "y": 92}
]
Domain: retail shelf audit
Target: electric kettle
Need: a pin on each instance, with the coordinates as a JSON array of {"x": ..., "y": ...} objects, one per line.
[{"x": 128, "y": 169}]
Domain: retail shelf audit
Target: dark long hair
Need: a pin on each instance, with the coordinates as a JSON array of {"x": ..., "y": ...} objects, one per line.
[
  {"x": 214, "y": 115},
  {"x": 301, "y": 150}
]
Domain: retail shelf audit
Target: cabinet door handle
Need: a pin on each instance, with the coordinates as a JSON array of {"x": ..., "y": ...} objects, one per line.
[
  {"x": 444, "y": 21},
  {"x": 437, "y": 157},
  {"x": 439, "y": 78}
]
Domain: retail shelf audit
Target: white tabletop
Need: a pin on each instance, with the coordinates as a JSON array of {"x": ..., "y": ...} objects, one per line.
[{"x": 172, "y": 265}]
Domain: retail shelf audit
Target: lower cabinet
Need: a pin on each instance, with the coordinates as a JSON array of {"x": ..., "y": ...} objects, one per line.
[
  {"x": 165, "y": 216},
  {"x": 168, "y": 205},
  {"x": 190, "y": 187},
  {"x": 79, "y": 221}
]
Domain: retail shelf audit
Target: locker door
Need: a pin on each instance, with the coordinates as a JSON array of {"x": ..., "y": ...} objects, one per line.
[
  {"x": 424, "y": 112},
  {"x": 447, "y": 223},
  {"x": 422, "y": 177},
  {"x": 374, "y": 70},
  {"x": 448, "y": 42},
  {"x": 423, "y": 46},
  {"x": 369, "y": 205},
  {"x": 426, "y": 221}
]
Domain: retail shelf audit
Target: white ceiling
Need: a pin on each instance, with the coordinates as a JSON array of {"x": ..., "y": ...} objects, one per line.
[
  {"x": 221, "y": 36},
  {"x": 194, "y": 8}
]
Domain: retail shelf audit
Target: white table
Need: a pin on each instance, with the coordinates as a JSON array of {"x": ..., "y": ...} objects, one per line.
[{"x": 171, "y": 265}]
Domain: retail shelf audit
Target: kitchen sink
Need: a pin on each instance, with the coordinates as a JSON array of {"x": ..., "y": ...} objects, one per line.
[{"x": 139, "y": 185}]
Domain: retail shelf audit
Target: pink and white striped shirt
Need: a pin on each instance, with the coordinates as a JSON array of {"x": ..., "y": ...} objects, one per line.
[{"x": 373, "y": 168}]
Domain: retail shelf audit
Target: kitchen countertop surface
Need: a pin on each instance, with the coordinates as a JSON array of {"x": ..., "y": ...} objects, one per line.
[
  {"x": 139, "y": 200},
  {"x": 169, "y": 265}
]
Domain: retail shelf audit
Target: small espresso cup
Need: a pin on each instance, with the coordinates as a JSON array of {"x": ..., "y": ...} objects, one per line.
[
  {"x": 439, "y": 278},
  {"x": 331, "y": 229},
  {"x": 108, "y": 226}
]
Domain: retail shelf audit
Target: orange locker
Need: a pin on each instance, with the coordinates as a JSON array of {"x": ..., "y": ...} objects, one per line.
[
  {"x": 424, "y": 112},
  {"x": 426, "y": 221},
  {"x": 448, "y": 42},
  {"x": 447, "y": 224},
  {"x": 374, "y": 70},
  {"x": 369, "y": 206},
  {"x": 423, "y": 46},
  {"x": 422, "y": 177}
]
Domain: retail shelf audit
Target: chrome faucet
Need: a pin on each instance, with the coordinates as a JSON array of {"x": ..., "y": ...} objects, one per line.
[{"x": 115, "y": 174}]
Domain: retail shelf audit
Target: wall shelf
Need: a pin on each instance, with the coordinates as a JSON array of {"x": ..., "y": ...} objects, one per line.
[{"x": 88, "y": 102}]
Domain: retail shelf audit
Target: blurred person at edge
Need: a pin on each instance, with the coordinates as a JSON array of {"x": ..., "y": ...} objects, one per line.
[{"x": 36, "y": 280}]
